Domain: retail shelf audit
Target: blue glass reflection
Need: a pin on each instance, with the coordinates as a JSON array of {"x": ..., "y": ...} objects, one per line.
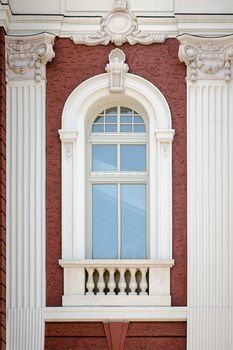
[
  {"x": 133, "y": 221},
  {"x": 104, "y": 221},
  {"x": 133, "y": 157},
  {"x": 104, "y": 157}
]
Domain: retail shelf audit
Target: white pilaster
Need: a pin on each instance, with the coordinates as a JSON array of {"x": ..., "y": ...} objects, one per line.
[
  {"x": 210, "y": 191},
  {"x": 163, "y": 239},
  {"x": 26, "y": 59}
]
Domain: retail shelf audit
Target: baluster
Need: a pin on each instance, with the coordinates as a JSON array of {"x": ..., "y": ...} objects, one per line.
[
  {"x": 111, "y": 282},
  {"x": 90, "y": 281},
  {"x": 101, "y": 283},
  {"x": 122, "y": 282},
  {"x": 143, "y": 283},
  {"x": 133, "y": 282}
]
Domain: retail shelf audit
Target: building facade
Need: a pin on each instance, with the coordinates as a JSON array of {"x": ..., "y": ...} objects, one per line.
[{"x": 116, "y": 175}]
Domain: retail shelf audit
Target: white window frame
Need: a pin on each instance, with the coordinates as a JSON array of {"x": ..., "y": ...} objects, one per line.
[
  {"x": 79, "y": 110},
  {"x": 118, "y": 138}
]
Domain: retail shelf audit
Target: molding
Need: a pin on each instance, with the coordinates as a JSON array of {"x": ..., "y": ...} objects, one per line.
[
  {"x": 207, "y": 58},
  {"x": 116, "y": 68},
  {"x": 119, "y": 263},
  {"x": 65, "y": 26},
  {"x": 26, "y": 57},
  {"x": 150, "y": 313},
  {"x": 118, "y": 27}
]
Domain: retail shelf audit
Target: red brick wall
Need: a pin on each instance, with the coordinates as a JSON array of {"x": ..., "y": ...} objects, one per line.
[
  {"x": 140, "y": 336},
  {"x": 2, "y": 193},
  {"x": 72, "y": 65}
]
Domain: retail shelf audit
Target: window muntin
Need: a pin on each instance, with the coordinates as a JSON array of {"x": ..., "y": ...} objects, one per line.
[
  {"x": 118, "y": 119},
  {"x": 118, "y": 186}
]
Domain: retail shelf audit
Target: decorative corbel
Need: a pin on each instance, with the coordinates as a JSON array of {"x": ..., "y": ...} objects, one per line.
[{"x": 116, "y": 68}]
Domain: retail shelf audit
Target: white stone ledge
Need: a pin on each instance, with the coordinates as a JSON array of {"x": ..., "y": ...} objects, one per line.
[
  {"x": 92, "y": 314},
  {"x": 119, "y": 263}
]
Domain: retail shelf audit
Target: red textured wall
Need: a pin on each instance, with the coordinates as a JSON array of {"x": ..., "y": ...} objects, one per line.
[
  {"x": 72, "y": 65},
  {"x": 2, "y": 193},
  {"x": 140, "y": 336}
]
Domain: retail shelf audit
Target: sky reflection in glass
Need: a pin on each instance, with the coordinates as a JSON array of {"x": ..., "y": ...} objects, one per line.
[
  {"x": 104, "y": 157},
  {"x": 104, "y": 221},
  {"x": 133, "y": 221},
  {"x": 133, "y": 157}
]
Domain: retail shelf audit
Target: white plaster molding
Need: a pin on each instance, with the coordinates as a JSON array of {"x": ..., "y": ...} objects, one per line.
[
  {"x": 207, "y": 58},
  {"x": 116, "y": 68},
  {"x": 26, "y": 57},
  {"x": 78, "y": 24},
  {"x": 93, "y": 313},
  {"x": 118, "y": 27},
  {"x": 78, "y": 108}
]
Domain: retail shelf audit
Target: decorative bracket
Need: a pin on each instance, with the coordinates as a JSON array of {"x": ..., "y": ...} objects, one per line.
[
  {"x": 119, "y": 26},
  {"x": 207, "y": 58},
  {"x": 26, "y": 57},
  {"x": 116, "y": 69}
]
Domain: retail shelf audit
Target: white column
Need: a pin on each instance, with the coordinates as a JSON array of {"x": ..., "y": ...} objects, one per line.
[
  {"x": 210, "y": 191},
  {"x": 26, "y": 59}
]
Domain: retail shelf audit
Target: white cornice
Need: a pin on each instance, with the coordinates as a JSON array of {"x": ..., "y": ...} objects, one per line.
[{"x": 66, "y": 27}]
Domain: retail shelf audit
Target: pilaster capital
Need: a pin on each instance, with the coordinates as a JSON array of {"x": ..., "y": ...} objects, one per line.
[
  {"x": 27, "y": 56},
  {"x": 207, "y": 58}
]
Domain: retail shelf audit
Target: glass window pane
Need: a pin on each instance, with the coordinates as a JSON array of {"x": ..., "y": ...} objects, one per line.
[
  {"x": 104, "y": 157},
  {"x": 111, "y": 111},
  {"x": 125, "y": 110},
  {"x": 138, "y": 119},
  {"x": 133, "y": 221},
  {"x": 98, "y": 128},
  {"x": 139, "y": 128},
  {"x": 126, "y": 119},
  {"x": 133, "y": 158},
  {"x": 99, "y": 120},
  {"x": 111, "y": 128},
  {"x": 111, "y": 119},
  {"x": 104, "y": 221},
  {"x": 126, "y": 128}
]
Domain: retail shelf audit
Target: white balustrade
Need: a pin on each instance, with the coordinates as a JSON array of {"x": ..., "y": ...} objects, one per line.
[{"x": 117, "y": 282}]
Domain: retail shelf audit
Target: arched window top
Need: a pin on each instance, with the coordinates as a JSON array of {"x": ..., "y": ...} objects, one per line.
[{"x": 118, "y": 119}]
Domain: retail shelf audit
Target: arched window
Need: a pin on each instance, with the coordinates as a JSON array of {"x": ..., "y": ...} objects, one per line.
[
  {"x": 118, "y": 185},
  {"x": 116, "y": 195}
]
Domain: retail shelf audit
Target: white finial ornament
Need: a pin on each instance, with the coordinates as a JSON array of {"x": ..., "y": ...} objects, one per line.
[{"x": 117, "y": 68}]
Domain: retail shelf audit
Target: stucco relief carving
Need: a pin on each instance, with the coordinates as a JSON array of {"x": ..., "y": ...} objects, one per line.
[
  {"x": 116, "y": 69},
  {"x": 26, "y": 57},
  {"x": 207, "y": 58},
  {"x": 119, "y": 26}
]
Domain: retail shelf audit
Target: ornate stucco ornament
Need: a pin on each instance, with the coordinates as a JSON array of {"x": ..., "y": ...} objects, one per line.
[
  {"x": 207, "y": 58},
  {"x": 119, "y": 26},
  {"x": 116, "y": 68},
  {"x": 26, "y": 57}
]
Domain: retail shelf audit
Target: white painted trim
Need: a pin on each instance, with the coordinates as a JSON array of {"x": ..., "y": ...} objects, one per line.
[
  {"x": 92, "y": 314},
  {"x": 65, "y": 27},
  {"x": 78, "y": 108}
]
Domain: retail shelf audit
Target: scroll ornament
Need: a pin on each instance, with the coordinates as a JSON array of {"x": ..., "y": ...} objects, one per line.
[
  {"x": 26, "y": 57},
  {"x": 118, "y": 27},
  {"x": 207, "y": 58},
  {"x": 116, "y": 68}
]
